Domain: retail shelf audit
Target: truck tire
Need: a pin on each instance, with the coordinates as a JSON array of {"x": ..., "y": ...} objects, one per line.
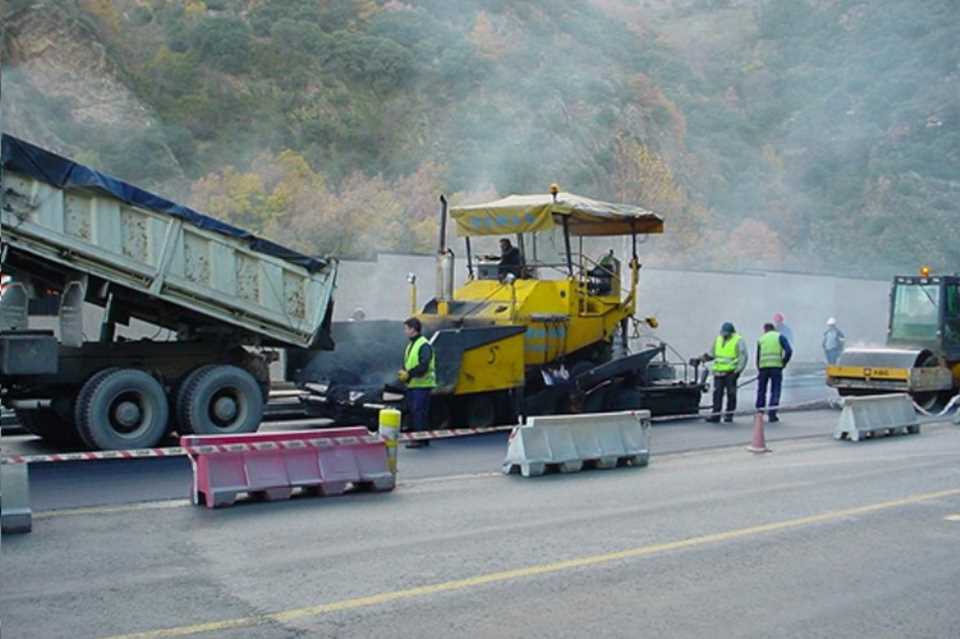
[
  {"x": 221, "y": 400},
  {"x": 85, "y": 390},
  {"x": 181, "y": 404},
  {"x": 48, "y": 424},
  {"x": 122, "y": 408}
]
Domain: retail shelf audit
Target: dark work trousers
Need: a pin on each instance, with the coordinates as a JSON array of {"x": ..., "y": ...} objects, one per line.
[
  {"x": 725, "y": 384},
  {"x": 418, "y": 406},
  {"x": 774, "y": 378}
]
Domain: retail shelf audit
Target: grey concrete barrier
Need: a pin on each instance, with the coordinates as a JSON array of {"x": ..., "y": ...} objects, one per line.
[
  {"x": 15, "y": 513},
  {"x": 568, "y": 443},
  {"x": 876, "y": 415}
]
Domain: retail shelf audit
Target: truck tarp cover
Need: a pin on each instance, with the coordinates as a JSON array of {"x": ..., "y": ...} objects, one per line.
[
  {"x": 45, "y": 166},
  {"x": 531, "y": 213}
]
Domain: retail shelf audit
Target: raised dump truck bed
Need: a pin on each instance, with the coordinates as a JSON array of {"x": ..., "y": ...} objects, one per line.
[
  {"x": 62, "y": 216},
  {"x": 90, "y": 238}
]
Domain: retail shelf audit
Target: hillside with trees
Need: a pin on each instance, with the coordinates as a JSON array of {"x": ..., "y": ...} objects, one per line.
[{"x": 815, "y": 135}]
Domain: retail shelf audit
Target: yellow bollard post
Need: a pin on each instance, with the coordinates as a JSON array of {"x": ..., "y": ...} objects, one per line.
[
  {"x": 412, "y": 280},
  {"x": 389, "y": 422}
]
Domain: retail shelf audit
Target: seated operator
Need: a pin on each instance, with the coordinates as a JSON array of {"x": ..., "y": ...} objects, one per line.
[
  {"x": 604, "y": 273},
  {"x": 510, "y": 260}
]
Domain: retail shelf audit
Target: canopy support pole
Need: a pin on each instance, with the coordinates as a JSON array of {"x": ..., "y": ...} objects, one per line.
[
  {"x": 469, "y": 258},
  {"x": 566, "y": 242},
  {"x": 442, "y": 248},
  {"x": 631, "y": 301}
]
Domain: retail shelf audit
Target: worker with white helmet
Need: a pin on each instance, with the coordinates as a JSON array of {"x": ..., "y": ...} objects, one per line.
[{"x": 833, "y": 341}]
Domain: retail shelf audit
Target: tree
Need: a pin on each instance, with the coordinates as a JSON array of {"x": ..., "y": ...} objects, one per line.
[
  {"x": 753, "y": 245},
  {"x": 370, "y": 59},
  {"x": 295, "y": 35},
  {"x": 224, "y": 42},
  {"x": 643, "y": 177},
  {"x": 105, "y": 12},
  {"x": 233, "y": 197},
  {"x": 281, "y": 197},
  {"x": 485, "y": 38}
]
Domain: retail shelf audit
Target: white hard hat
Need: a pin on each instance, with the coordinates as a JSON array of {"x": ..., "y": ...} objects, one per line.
[{"x": 831, "y": 322}]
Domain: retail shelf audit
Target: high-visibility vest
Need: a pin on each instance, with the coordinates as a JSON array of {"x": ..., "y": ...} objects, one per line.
[
  {"x": 725, "y": 354},
  {"x": 771, "y": 351},
  {"x": 411, "y": 359}
]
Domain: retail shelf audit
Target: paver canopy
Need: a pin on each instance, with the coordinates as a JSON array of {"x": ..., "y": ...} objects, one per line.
[{"x": 533, "y": 213}]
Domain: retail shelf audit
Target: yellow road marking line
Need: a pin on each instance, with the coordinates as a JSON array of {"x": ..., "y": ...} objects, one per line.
[{"x": 530, "y": 571}]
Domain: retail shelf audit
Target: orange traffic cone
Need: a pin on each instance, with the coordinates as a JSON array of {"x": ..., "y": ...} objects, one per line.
[{"x": 759, "y": 443}]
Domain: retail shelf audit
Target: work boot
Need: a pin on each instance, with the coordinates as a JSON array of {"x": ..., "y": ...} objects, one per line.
[
  {"x": 728, "y": 419},
  {"x": 773, "y": 418}
]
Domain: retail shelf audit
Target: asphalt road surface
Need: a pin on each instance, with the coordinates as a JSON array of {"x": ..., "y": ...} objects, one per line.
[
  {"x": 77, "y": 484},
  {"x": 819, "y": 539}
]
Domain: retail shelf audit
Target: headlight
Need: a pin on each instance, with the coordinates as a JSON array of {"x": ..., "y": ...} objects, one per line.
[
  {"x": 391, "y": 397},
  {"x": 320, "y": 389}
]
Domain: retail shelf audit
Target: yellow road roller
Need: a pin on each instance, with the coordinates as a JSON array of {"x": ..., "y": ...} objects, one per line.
[{"x": 922, "y": 354}]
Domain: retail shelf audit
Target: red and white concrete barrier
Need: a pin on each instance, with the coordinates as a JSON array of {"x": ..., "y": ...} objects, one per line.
[{"x": 272, "y": 465}]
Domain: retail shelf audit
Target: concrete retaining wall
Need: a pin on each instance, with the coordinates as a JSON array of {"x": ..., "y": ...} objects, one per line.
[{"x": 690, "y": 305}]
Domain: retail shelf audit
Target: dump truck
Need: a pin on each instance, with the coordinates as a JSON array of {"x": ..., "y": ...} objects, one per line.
[
  {"x": 227, "y": 298},
  {"x": 922, "y": 353},
  {"x": 549, "y": 336}
]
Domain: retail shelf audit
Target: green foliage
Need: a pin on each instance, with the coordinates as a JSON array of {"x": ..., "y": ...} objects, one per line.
[
  {"x": 330, "y": 15},
  {"x": 181, "y": 142},
  {"x": 225, "y": 42},
  {"x": 369, "y": 58},
  {"x": 301, "y": 36},
  {"x": 777, "y": 19},
  {"x": 12, "y": 6},
  {"x": 141, "y": 15},
  {"x": 139, "y": 156},
  {"x": 178, "y": 36},
  {"x": 828, "y": 130}
]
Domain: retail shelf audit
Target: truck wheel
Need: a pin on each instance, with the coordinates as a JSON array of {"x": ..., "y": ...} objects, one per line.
[
  {"x": 181, "y": 405},
  {"x": 125, "y": 408},
  {"x": 48, "y": 424},
  {"x": 82, "y": 397},
  {"x": 221, "y": 400}
]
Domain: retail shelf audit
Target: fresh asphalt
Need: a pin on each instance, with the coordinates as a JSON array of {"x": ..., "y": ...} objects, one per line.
[{"x": 819, "y": 539}]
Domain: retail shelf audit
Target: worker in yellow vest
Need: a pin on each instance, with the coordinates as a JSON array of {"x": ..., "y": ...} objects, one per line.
[
  {"x": 419, "y": 374},
  {"x": 773, "y": 354},
  {"x": 729, "y": 358}
]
